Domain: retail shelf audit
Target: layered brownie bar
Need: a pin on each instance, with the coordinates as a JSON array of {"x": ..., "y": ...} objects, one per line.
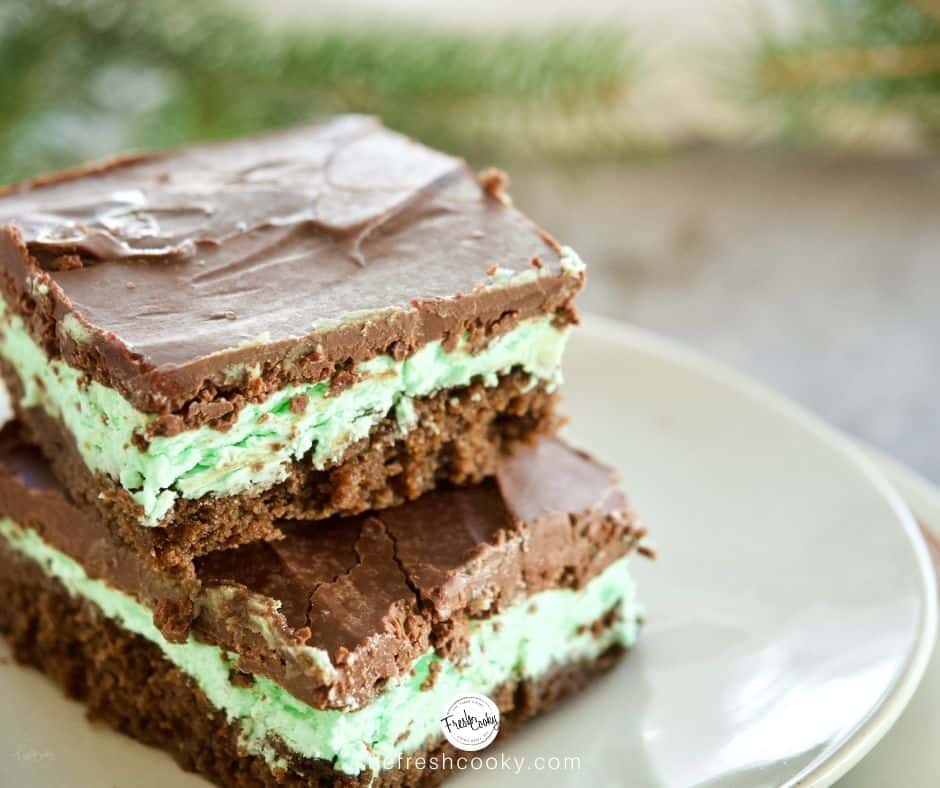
[
  {"x": 330, "y": 656},
  {"x": 315, "y": 322}
]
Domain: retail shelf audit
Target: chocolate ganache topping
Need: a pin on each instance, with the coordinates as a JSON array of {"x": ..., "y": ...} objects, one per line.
[{"x": 284, "y": 255}]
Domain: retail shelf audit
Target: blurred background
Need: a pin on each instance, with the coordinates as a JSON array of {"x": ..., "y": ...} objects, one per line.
[{"x": 757, "y": 178}]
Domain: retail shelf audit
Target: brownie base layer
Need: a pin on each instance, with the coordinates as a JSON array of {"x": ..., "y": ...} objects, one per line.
[
  {"x": 458, "y": 438},
  {"x": 125, "y": 682}
]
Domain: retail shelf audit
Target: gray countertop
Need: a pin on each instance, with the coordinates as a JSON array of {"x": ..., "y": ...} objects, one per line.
[{"x": 820, "y": 276}]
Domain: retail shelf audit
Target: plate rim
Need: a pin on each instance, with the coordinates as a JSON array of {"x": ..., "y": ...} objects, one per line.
[{"x": 837, "y": 759}]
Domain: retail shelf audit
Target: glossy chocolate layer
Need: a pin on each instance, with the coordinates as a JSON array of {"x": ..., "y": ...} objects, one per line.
[
  {"x": 251, "y": 264},
  {"x": 369, "y": 594}
]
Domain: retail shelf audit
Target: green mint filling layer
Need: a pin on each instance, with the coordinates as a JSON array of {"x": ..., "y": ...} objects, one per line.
[
  {"x": 255, "y": 453},
  {"x": 547, "y": 629}
]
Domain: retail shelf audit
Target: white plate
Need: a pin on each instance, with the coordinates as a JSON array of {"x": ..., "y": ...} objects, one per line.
[
  {"x": 909, "y": 755},
  {"x": 790, "y": 615}
]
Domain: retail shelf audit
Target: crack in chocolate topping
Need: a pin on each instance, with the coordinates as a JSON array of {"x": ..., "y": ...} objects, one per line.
[{"x": 293, "y": 237}]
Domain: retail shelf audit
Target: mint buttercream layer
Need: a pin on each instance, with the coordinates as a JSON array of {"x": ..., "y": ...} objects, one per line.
[
  {"x": 548, "y": 629},
  {"x": 256, "y": 452}
]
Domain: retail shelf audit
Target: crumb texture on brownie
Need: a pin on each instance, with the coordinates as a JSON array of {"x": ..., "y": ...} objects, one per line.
[
  {"x": 527, "y": 641},
  {"x": 458, "y": 438},
  {"x": 307, "y": 421},
  {"x": 219, "y": 273}
]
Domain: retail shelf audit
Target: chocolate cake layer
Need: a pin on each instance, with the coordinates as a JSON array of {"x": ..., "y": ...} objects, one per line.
[
  {"x": 221, "y": 273},
  {"x": 459, "y": 439},
  {"x": 126, "y": 683},
  {"x": 342, "y": 643}
]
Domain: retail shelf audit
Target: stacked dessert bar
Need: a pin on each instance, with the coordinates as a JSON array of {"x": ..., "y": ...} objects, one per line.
[{"x": 283, "y": 480}]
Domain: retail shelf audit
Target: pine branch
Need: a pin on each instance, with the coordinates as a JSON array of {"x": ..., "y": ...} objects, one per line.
[
  {"x": 83, "y": 78},
  {"x": 883, "y": 55}
]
